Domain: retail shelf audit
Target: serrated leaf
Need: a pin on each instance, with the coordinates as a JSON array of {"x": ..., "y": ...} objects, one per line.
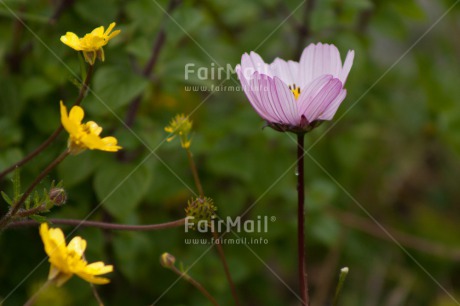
[
  {"x": 16, "y": 184},
  {"x": 7, "y": 198},
  {"x": 120, "y": 188},
  {"x": 36, "y": 200},
  {"x": 38, "y": 218}
]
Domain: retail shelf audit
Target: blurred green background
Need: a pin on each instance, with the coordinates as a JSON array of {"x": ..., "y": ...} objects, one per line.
[{"x": 393, "y": 155}]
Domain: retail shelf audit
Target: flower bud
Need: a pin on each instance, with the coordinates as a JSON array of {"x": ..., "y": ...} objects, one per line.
[
  {"x": 201, "y": 209},
  {"x": 58, "y": 196},
  {"x": 167, "y": 260}
]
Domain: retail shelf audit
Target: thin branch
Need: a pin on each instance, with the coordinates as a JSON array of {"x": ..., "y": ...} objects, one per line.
[
  {"x": 196, "y": 284},
  {"x": 65, "y": 4},
  {"x": 56, "y": 133},
  {"x": 157, "y": 47},
  {"x": 220, "y": 250},
  {"x": 14, "y": 209},
  {"x": 102, "y": 225},
  {"x": 407, "y": 240}
]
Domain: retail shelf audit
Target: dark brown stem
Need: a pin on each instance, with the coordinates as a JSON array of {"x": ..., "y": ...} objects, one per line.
[
  {"x": 194, "y": 170},
  {"x": 157, "y": 46},
  {"x": 63, "y": 5},
  {"x": 102, "y": 225},
  {"x": 304, "y": 28},
  {"x": 56, "y": 133},
  {"x": 303, "y": 284},
  {"x": 14, "y": 209},
  {"x": 220, "y": 250},
  {"x": 196, "y": 284},
  {"x": 29, "y": 212}
]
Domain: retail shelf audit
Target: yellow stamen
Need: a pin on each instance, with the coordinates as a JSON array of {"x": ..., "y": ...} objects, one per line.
[{"x": 295, "y": 91}]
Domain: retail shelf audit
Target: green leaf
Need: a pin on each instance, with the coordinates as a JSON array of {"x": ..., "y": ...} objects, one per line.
[
  {"x": 121, "y": 187},
  {"x": 38, "y": 218},
  {"x": 114, "y": 87},
  {"x": 16, "y": 184},
  {"x": 94, "y": 12},
  {"x": 7, "y": 198},
  {"x": 76, "y": 169}
]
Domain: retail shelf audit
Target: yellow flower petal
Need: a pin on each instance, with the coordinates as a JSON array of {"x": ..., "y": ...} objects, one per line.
[
  {"x": 68, "y": 260},
  {"x": 77, "y": 245},
  {"x": 70, "y": 126},
  {"x": 76, "y": 114},
  {"x": 84, "y": 136},
  {"x": 71, "y": 40},
  {"x": 91, "y": 43},
  {"x": 98, "y": 31},
  {"x": 109, "y": 29}
]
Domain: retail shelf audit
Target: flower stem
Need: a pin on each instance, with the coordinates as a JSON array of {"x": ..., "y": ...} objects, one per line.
[
  {"x": 96, "y": 295},
  {"x": 47, "y": 142},
  {"x": 31, "y": 301},
  {"x": 103, "y": 225},
  {"x": 301, "y": 221},
  {"x": 196, "y": 178},
  {"x": 220, "y": 250},
  {"x": 196, "y": 284},
  {"x": 14, "y": 209}
]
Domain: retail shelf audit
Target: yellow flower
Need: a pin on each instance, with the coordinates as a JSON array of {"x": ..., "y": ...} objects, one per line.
[
  {"x": 85, "y": 135},
  {"x": 91, "y": 44},
  {"x": 69, "y": 260},
  {"x": 180, "y": 126}
]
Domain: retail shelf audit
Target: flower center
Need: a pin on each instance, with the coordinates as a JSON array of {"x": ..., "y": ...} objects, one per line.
[{"x": 295, "y": 91}]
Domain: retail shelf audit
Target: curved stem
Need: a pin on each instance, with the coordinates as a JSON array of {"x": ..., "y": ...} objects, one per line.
[
  {"x": 14, "y": 209},
  {"x": 220, "y": 250},
  {"x": 196, "y": 284},
  {"x": 31, "y": 301},
  {"x": 303, "y": 284},
  {"x": 103, "y": 225},
  {"x": 47, "y": 142}
]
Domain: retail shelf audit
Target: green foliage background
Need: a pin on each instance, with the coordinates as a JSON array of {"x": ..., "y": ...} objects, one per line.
[{"x": 390, "y": 153}]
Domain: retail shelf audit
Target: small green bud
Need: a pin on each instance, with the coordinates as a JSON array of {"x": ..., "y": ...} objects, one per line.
[
  {"x": 201, "y": 209},
  {"x": 167, "y": 260}
]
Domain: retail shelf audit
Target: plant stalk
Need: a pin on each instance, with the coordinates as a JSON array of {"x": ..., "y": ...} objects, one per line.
[{"x": 303, "y": 283}]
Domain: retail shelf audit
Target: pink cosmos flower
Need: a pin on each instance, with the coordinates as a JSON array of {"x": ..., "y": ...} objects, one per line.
[{"x": 296, "y": 96}]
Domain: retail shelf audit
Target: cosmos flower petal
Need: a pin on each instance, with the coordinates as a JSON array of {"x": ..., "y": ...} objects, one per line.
[
  {"x": 322, "y": 100},
  {"x": 347, "y": 66},
  {"x": 286, "y": 92},
  {"x": 319, "y": 59},
  {"x": 286, "y": 101},
  {"x": 288, "y": 72},
  {"x": 251, "y": 63},
  {"x": 310, "y": 91},
  {"x": 260, "y": 87},
  {"x": 330, "y": 111},
  {"x": 251, "y": 94}
]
